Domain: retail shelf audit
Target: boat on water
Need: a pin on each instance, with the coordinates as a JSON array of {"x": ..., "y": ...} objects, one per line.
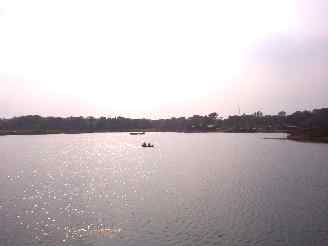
[
  {"x": 137, "y": 133},
  {"x": 149, "y": 145}
]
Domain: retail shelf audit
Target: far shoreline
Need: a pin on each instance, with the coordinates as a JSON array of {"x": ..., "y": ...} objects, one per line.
[
  {"x": 51, "y": 132},
  {"x": 315, "y": 135}
]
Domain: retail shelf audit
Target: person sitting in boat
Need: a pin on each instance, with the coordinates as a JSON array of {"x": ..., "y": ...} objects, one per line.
[
  {"x": 144, "y": 144},
  {"x": 150, "y": 145}
]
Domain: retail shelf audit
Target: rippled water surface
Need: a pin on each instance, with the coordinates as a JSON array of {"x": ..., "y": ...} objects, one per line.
[{"x": 191, "y": 189}]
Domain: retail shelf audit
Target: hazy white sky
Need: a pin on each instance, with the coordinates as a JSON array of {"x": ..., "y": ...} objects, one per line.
[{"x": 162, "y": 58}]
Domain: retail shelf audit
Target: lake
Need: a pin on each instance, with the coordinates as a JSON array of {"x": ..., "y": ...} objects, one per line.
[{"x": 191, "y": 189}]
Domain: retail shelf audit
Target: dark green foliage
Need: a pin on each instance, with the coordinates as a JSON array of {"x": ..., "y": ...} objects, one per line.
[{"x": 317, "y": 118}]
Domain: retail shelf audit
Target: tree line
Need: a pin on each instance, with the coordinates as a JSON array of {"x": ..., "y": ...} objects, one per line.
[{"x": 317, "y": 118}]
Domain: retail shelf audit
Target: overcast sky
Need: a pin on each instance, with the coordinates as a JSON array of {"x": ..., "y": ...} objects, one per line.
[{"x": 162, "y": 58}]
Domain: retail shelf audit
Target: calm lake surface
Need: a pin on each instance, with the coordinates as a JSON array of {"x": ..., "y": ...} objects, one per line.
[{"x": 191, "y": 189}]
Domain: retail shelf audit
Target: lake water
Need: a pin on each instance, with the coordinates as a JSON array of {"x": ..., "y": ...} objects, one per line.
[{"x": 191, "y": 189}]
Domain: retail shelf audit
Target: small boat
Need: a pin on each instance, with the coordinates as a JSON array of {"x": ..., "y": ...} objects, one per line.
[
  {"x": 145, "y": 145},
  {"x": 137, "y": 133}
]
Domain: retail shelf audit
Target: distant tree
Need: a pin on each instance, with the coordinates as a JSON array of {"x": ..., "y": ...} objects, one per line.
[
  {"x": 213, "y": 115},
  {"x": 282, "y": 114},
  {"x": 258, "y": 114},
  {"x": 2, "y": 125},
  {"x": 102, "y": 123}
]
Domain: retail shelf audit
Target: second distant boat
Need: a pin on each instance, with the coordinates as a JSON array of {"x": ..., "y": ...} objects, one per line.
[{"x": 137, "y": 133}]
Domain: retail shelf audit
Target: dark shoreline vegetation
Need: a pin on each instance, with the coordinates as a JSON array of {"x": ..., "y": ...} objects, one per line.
[{"x": 301, "y": 125}]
